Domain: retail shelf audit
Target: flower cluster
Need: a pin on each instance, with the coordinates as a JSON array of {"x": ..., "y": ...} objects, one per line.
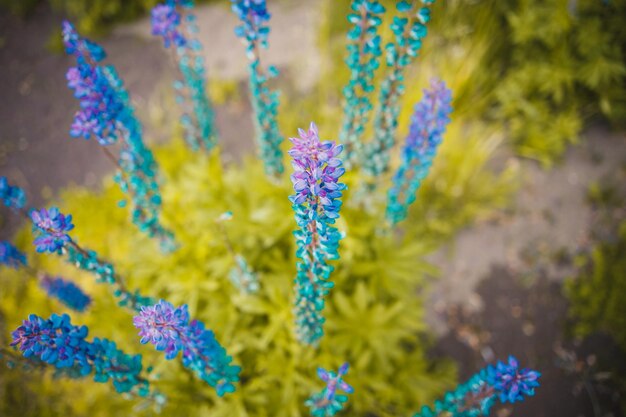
[
  {"x": 57, "y": 342},
  {"x": 316, "y": 204},
  {"x": 254, "y": 32},
  {"x": 429, "y": 121},
  {"x": 409, "y": 32},
  {"x": 67, "y": 292},
  {"x": 512, "y": 383},
  {"x": 177, "y": 25},
  {"x": 476, "y": 397},
  {"x": 327, "y": 403},
  {"x": 12, "y": 196},
  {"x": 107, "y": 114},
  {"x": 363, "y": 60},
  {"x": 51, "y": 227},
  {"x": 11, "y": 256},
  {"x": 171, "y": 331}
]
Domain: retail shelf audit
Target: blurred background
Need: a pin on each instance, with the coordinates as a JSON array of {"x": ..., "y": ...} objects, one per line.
[{"x": 532, "y": 260}]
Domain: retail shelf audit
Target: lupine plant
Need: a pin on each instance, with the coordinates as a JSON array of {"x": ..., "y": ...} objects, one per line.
[
  {"x": 409, "y": 29},
  {"x": 316, "y": 203},
  {"x": 318, "y": 193},
  {"x": 254, "y": 31},
  {"x": 363, "y": 60},
  {"x": 176, "y": 24},
  {"x": 428, "y": 124},
  {"x": 505, "y": 382},
  {"x": 107, "y": 114},
  {"x": 328, "y": 402},
  {"x": 55, "y": 341}
]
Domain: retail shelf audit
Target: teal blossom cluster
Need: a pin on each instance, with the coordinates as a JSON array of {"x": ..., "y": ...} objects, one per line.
[
  {"x": 55, "y": 341},
  {"x": 504, "y": 381},
  {"x": 254, "y": 31},
  {"x": 175, "y": 22},
  {"x": 243, "y": 277},
  {"x": 66, "y": 292},
  {"x": 428, "y": 124},
  {"x": 316, "y": 204},
  {"x": 170, "y": 330},
  {"x": 51, "y": 227},
  {"x": 106, "y": 113},
  {"x": 328, "y": 402},
  {"x": 409, "y": 29},
  {"x": 364, "y": 53},
  {"x": 12, "y": 196}
]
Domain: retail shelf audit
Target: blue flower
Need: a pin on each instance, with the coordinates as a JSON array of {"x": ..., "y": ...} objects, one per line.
[
  {"x": 51, "y": 227},
  {"x": 11, "y": 196},
  {"x": 428, "y": 124},
  {"x": 512, "y": 383},
  {"x": 166, "y": 23},
  {"x": 327, "y": 403},
  {"x": 11, "y": 256},
  {"x": 67, "y": 292},
  {"x": 169, "y": 329}
]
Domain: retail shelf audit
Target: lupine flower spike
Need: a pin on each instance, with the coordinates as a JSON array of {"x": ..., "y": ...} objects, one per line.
[
  {"x": 57, "y": 342},
  {"x": 254, "y": 31},
  {"x": 363, "y": 60},
  {"x": 409, "y": 30},
  {"x": 428, "y": 124},
  {"x": 11, "y": 256},
  {"x": 176, "y": 24},
  {"x": 475, "y": 398},
  {"x": 51, "y": 229},
  {"x": 66, "y": 292},
  {"x": 107, "y": 115},
  {"x": 169, "y": 329},
  {"x": 328, "y": 402},
  {"x": 316, "y": 203}
]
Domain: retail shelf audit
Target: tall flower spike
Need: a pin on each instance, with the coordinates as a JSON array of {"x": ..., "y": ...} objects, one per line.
[
  {"x": 11, "y": 256},
  {"x": 176, "y": 24},
  {"x": 363, "y": 60},
  {"x": 476, "y": 397},
  {"x": 51, "y": 227},
  {"x": 328, "y": 402},
  {"x": 107, "y": 114},
  {"x": 169, "y": 329},
  {"x": 66, "y": 292},
  {"x": 57, "y": 342},
  {"x": 316, "y": 204},
  {"x": 428, "y": 124},
  {"x": 13, "y": 197},
  {"x": 254, "y": 31},
  {"x": 409, "y": 31}
]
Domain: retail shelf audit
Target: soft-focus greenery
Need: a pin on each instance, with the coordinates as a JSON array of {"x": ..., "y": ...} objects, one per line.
[
  {"x": 375, "y": 313},
  {"x": 538, "y": 68}
]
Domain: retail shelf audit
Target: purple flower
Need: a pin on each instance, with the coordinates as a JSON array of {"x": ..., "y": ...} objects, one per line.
[
  {"x": 80, "y": 47},
  {"x": 512, "y": 383},
  {"x": 162, "y": 325},
  {"x": 169, "y": 329},
  {"x": 328, "y": 402},
  {"x": 166, "y": 23},
  {"x": 67, "y": 292},
  {"x": 11, "y": 256},
  {"x": 334, "y": 381},
  {"x": 52, "y": 227}
]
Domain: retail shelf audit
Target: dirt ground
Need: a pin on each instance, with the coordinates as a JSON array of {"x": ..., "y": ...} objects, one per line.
[{"x": 498, "y": 292}]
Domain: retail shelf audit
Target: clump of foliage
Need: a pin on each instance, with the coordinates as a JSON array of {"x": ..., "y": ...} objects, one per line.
[{"x": 372, "y": 317}]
